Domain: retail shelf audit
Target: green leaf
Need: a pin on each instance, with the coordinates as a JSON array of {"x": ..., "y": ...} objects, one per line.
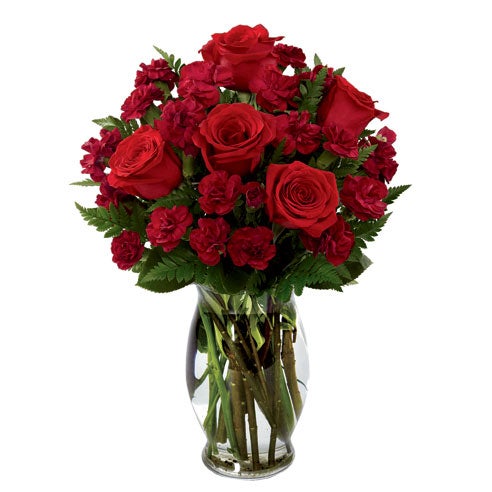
[
  {"x": 152, "y": 114},
  {"x": 325, "y": 159},
  {"x": 183, "y": 195},
  {"x": 110, "y": 123},
  {"x": 368, "y": 230},
  {"x": 317, "y": 60},
  {"x": 365, "y": 152},
  {"x": 277, "y": 153},
  {"x": 85, "y": 182},
  {"x": 172, "y": 62},
  {"x": 394, "y": 192},
  {"x": 339, "y": 71},
  {"x": 313, "y": 92}
]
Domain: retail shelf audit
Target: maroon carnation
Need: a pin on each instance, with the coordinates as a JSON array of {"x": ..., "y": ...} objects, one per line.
[
  {"x": 168, "y": 225},
  {"x": 340, "y": 142},
  {"x": 157, "y": 71},
  {"x": 251, "y": 246},
  {"x": 108, "y": 194},
  {"x": 209, "y": 239},
  {"x": 220, "y": 192},
  {"x": 127, "y": 249},
  {"x": 200, "y": 80},
  {"x": 137, "y": 103},
  {"x": 289, "y": 55},
  {"x": 179, "y": 122},
  {"x": 380, "y": 164},
  {"x": 300, "y": 135},
  {"x": 254, "y": 193},
  {"x": 363, "y": 196},
  {"x": 335, "y": 243},
  {"x": 275, "y": 91}
]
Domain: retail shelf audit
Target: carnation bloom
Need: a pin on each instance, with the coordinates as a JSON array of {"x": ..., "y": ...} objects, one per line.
[
  {"x": 251, "y": 246},
  {"x": 127, "y": 249},
  {"x": 137, "y": 103},
  {"x": 363, "y": 196},
  {"x": 299, "y": 134},
  {"x": 209, "y": 239},
  {"x": 157, "y": 71},
  {"x": 219, "y": 192},
  {"x": 168, "y": 225}
]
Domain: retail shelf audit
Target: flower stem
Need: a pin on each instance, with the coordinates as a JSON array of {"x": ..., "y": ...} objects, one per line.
[
  {"x": 253, "y": 426},
  {"x": 289, "y": 362},
  {"x": 238, "y": 404}
]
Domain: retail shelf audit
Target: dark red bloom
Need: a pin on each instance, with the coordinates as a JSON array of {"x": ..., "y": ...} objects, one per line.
[
  {"x": 275, "y": 91},
  {"x": 363, "y": 196},
  {"x": 254, "y": 193},
  {"x": 108, "y": 194},
  {"x": 200, "y": 80},
  {"x": 127, "y": 249},
  {"x": 380, "y": 164},
  {"x": 179, "y": 122},
  {"x": 251, "y": 246},
  {"x": 335, "y": 243},
  {"x": 220, "y": 192},
  {"x": 243, "y": 50},
  {"x": 168, "y": 225},
  {"x": 300, "y": 135},
  {"x": 289, "y": 56},
  {"x": 137, "y": 103},
  {"x": 158, "y": 71},
  {"x": 209, "y": 239},
  {"x": 329, "y": 80},
  {"x": 340, "y": 142}
]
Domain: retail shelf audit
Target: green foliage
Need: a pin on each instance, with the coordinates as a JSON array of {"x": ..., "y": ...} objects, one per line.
[
  {"x": 183, "y": 195},
  {"x": 339, "y": 71},
  {"x": 368, "y": 230},
  {"x": 114, "y": 220},
  {"x": 110, "y": 123},
  {"x": 85, "y": 182},
  {"x": 317, "y": 60},
  {"x": 311, "y": 93},
  {"x": 172, "y": 62},
  {"x": 325, "y": 160},
  {"x": 394, "y": 192},
  {"x": 365, "y": 152},
  {"x": 277, "y": 153}
]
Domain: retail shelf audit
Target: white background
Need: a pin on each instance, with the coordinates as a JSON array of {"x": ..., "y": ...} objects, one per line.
[{"x": 92, "y": 389}]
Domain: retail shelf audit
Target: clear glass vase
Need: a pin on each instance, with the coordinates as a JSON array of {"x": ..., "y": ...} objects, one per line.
[{"x": 247, "y": 370}]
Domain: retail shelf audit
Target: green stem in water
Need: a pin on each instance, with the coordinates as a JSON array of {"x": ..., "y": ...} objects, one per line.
[
  {"x": 253, "y": 426},
  {"x": 289, "y": 361}
]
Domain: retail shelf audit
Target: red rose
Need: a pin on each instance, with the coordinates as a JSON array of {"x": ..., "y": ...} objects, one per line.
[
  {"x": 300, "y": 135},
  {"x": 137, "y": 103},
  {"x": 127, "y": 249},
  {"x": 200, "y": 81},
  {"x": 158, "y": 71},
  {"x": 168, "y": 225},
  {"x": 209, "y": 239},
  {"x": 289, "y": 55},
  {"x": 233, "y": 137},
  {"x": 335, "y": 243},
  {"x": 220, "y": 192},
  {"x": 243, "y": 50},
  {"x": 179, "y": 122},
  {"x": 347, "y": 107},
  {"x": 340, "y": 142},
  {"x": 363, "y": 196},
  {"x": 144, "y": 165},
  {"x": 301, "y": 197},
  {"x": 275, "y": 91},
  {"x": 251, "y": 246},
  {"x": 254, "y": 193}
]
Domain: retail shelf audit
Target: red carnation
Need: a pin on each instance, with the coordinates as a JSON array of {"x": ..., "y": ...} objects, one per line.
[
  {"x": 254, "y": 193},
  {"x": 178, "y": 123},
  {"x": 251, "y": 246},
  {"x": 289, "y": 56},
  {"x": 335, "y": 243},
  {"x": 300, "y": 135},
  {"x": 127, "y": 249},
  {"x": 363, "y": 196},
  {"x": 157, "y": 71},
  {"x": 168, "y": 225},
  {"x": 209, "y": 239},
  {"x": 340, "y": 141},
  {"x": 137, "y": 103},
  {"x": 275, "y": 91},
  {"x": 220, "y": 192},
  {"x": 200, "y": 80},
  {"x": 108, "y": 194},
  {"x": 380, "y": 164}
]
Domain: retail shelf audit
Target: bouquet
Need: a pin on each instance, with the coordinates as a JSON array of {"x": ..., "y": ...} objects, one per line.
[{"x": 252, "y": 175}]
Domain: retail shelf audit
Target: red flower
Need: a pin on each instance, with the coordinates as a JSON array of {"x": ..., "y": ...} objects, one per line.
[
  {"x": 363, "y": 196},
  {"x": 300, "y": 134},
  {"x": 251, "y": 246},
  {"x": 220, "y": 192},
  {"x": 243, "y": 50},
  {"x": 340, "y": 142},
  {"x": 179, "y": 122},
  {"x": 137, "y": 103},
  {"x": 127, "y": 249},
  {"x": 209, "y": 239},
  {"x": 168, "y": 225},
  {"x": 233, "y": 137},
  {"x": 255, "y": 194},
  {"x": 108, "y": 194},
  {"x": 157, "y": 71},
  {"x": 200, "y": 80},
  {"x": 301, "y": 197},
  {"x": 275, "y": 91},
  {"x": 145, "y": 165},
  {"x": 289, "y": 55},
  {"x": 347, "y": 107},
  {"x": 335, "y": 243},
  {"x": 380, "y": 164}
]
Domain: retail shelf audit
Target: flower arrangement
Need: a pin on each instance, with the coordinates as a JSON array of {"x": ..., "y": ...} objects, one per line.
[{"x": 244, "y": 172}]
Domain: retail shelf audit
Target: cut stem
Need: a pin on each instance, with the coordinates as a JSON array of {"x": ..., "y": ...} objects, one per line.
[
  {"x": 253, "y": 426},
  {"x": 238, "y": 404},
  {"x": 289, "y": 361}
]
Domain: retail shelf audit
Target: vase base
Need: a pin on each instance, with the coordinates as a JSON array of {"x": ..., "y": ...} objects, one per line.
[{"x": 228, "y": 466}]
